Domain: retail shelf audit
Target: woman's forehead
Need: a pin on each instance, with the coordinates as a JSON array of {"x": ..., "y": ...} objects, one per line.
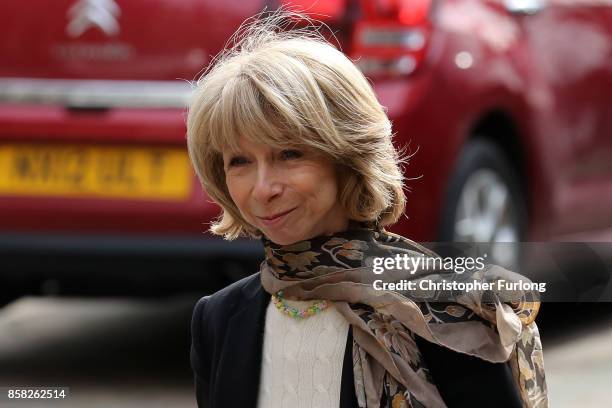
[{"x": 245, "y": 143}]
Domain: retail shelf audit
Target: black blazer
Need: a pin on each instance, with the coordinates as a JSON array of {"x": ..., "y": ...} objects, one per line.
[{"x": 227, "y": 339}]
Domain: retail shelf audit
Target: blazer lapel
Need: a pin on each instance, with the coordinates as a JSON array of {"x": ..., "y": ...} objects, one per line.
[
  {"x": 348, "y": 398},
  {"x": 237, "y": 383}
]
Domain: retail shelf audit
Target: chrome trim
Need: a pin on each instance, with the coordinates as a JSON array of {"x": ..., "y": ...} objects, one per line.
[
  {"x": 74, "y": 93},
  {"x": 404, "y": 65},
  {"x": 412, "y": 39}
]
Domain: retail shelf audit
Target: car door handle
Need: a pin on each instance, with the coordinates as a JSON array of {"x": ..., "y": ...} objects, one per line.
[{"x": 524, "y": 7}]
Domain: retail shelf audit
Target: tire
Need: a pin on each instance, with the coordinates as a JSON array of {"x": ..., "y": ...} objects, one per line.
[{"x": 485, "y": 204}]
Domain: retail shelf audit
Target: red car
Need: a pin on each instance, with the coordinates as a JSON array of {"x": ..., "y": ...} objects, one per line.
[{"x": 505, "y": 106}]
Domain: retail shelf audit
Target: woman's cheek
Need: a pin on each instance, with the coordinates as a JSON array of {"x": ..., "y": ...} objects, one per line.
[{"x": 307, "y": 180}]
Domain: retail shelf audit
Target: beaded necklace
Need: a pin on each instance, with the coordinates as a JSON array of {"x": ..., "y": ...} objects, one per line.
[{"x": 296, "y": 313}]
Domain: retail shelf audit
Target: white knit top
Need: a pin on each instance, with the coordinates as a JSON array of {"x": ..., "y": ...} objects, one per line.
[{"x": 302, "y": 359}]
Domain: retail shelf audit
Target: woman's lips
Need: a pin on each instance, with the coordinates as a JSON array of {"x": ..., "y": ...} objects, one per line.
[{"x": 277, "y": 220}]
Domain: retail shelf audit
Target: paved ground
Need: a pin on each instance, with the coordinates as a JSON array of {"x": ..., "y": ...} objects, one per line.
[
  {"x": 578, "y": 360},
  {"x": 120, "y": 353},
  {"x": 580, "y": 372},
  {"x": 112, "y": 353}
]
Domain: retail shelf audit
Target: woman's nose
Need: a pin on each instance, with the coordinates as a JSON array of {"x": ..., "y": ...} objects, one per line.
[{"x": 267, "y": 184}]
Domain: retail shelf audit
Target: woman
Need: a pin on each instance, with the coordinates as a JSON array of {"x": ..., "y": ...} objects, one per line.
[{"x": 287, "y": 136}]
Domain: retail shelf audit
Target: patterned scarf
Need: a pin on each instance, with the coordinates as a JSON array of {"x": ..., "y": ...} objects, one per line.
[{"x": 387, "y": 364}]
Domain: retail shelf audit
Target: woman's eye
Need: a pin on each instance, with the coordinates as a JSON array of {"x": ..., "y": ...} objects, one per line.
[
  {"x": 291, "y": 154},
  {"x": 237, "y": 161}
]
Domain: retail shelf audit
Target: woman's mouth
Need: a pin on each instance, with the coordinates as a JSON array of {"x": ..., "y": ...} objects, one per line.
[{"x": 276, "y": 219}]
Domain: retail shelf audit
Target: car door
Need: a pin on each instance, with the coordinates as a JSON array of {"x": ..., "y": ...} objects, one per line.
[{"x": 571, "y": 54}]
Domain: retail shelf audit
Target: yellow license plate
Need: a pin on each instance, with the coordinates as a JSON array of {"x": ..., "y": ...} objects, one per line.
[{"x": 95, "y": 171}]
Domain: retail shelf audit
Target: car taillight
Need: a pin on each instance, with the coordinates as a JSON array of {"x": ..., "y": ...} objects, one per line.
[
  {"x": 391, "y": 37},
  {"x": 322, "y": 10}
]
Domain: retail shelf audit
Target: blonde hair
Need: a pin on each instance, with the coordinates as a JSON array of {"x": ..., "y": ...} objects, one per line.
[{"x": 287, "y": 87}]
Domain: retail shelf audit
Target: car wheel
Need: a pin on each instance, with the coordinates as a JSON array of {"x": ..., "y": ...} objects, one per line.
[{"x": 485, "y": 205}]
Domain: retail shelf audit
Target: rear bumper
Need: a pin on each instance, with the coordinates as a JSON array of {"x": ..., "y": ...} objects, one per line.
[{"x": 110, "y": 265}]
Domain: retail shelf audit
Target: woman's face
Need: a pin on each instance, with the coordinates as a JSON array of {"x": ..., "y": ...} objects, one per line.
[{"x": 288, "y": 194}]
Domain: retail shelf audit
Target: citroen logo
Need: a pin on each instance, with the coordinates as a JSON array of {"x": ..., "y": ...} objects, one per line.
[{"x": 85, "y": 14}]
